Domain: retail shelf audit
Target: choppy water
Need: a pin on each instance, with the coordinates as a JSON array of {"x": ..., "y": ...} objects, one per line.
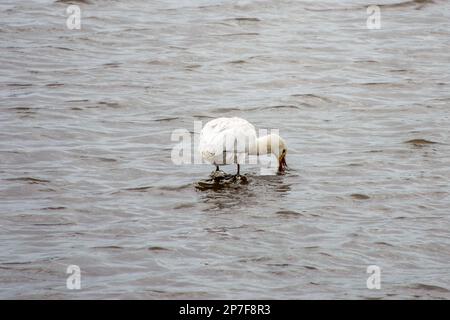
[{"x": 85, "y": 170}]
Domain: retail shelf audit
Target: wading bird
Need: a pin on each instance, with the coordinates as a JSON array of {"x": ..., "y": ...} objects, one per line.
[{"x": 231, "y": 140}]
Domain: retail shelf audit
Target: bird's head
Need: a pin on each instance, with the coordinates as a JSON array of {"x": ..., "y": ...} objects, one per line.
[
  {"x": 277, "y": 146},
  {"x": 282, "y": 151}
]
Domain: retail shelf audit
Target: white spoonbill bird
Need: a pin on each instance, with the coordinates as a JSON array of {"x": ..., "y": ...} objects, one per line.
[{"x": 231, "y": 140}]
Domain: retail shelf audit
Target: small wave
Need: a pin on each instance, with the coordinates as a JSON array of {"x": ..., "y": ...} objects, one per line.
[
  {"x": 255, "y": 259},
  {"x": 311, "y": 96},
  {"x": 19, "y": 85},
  {"x": 359, "y": 196},
  {"x": 140, "y": 189},
  {"x": 289, "y": 213},
  {"x": 17, "y": 263},
  {"x": 21, "y": 108},
  {"x": 53, "y": 85},
  {"x": 382, "y": 243},
  {"x": 156, "y": 248},
  {"x": 111, "y": 64},
  {"x": 429, "y": 287},
  {"x": 310, "y": 267},
  {"x": 238, "y": 34},
  {"x": 60, "y": 48},
  {"x": 417, "y": 4},
  {"x": 109, "y": 104},
  {"x": 184, "y": 206},
  {"x": 166, "y": 119},
  {"x": 237, "y": 62},
  {"x": 30, "y": 180},
  {"x": 289, "y": 106},
  {"x": 110, "y": 247},
  {"x": 55, "y": 224},
  {"x": 80, "y": 100},
  {"x": 106, "y": 159},
  {"x": 245, "y": 19},
  {"x": 175, "y": 188},
  {"x": 24, "y": 110},
  {"x": 420, "y": 142},
  {"x": 202, "y": 116},
  {"x": 376, "y": 84},
  {"x": 225, "y": 110},
  {"x": 192, "y": 66},
  {"x": 278, "y": 264}
]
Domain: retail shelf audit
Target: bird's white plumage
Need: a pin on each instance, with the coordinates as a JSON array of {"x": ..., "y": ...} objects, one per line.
[{"x": 226, "y": 140}]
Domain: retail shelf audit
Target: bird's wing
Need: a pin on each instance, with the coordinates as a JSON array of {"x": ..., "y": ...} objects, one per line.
[{"x": 226, "y": 135}]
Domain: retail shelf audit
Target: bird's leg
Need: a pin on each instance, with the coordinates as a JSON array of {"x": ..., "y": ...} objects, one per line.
[
  {"x": 217, "y": 174},
  {"x": 238, "y": 177}
]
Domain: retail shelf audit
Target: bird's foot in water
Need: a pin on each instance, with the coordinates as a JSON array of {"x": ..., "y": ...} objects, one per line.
[
  {"x": 218, "y": 174},
  {"x": 239, "y": 178}
]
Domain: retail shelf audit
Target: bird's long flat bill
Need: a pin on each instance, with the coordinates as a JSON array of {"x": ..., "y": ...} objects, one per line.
[{"x": 282, "y": 163}]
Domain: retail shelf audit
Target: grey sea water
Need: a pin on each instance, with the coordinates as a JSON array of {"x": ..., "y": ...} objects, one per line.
[{"x": 86, "y": 176}]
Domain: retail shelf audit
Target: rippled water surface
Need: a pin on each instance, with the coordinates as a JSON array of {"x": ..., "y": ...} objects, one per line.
[{"x": 86, "y": 176}]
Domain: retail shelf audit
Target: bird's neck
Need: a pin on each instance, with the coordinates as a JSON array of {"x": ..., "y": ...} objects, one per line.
[{"x": 262, "y": 146}]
